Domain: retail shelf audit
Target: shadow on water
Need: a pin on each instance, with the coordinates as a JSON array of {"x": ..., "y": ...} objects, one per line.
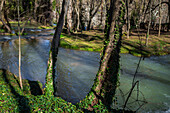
[
  {"x": 22, "y": 100},
  {"x": 70, "y": 93},
  {"x": 146, "y": 76}
]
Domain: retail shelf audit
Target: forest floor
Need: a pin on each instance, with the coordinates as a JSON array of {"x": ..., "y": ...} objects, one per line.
[
  {"x": 93, "y": 40},
  {"x": 30, "y": 99},
  {"x": 135, "y": 45},
  {"x": 33, "y": 100}
]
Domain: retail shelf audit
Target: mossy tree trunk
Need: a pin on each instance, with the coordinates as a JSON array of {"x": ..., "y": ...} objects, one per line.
[
  {"x": 6, "y": 25},
  {"x": 105, "y": 84},
  {"x": 50, "y": 84}
]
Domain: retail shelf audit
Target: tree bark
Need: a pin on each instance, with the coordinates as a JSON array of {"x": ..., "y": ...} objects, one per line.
[
  {"x": 103, "y": 89},
  {"x": 78, "y": 15},
  {"x": 169, "y": 16},
  {"x": 35, "y": 9},
  {"x": 6, "y": 18},
  {"x": 127, "y": 17},
  {"x": 93, "y": 12},
  {"x": 141, "y": 12},
  {"x": 50, "y": 82},
  {"x": 20, "y": 77},
  {"x": 1, "y": 6},
  {"x": 68, "y": 20},
  {"x": 149, "y": 24},
  {"x": 159, "y": 32},
  {"x": 7, "y": 26},
  {"x": 148, "y": 5},
  {"x": 102, "y": 8}
]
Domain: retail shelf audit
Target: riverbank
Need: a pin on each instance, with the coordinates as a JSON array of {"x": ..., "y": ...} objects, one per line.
[
  {"x": 135, "y": 45},
  {"x": 30, "y": 99},
  {"x": 93, "y": 40}
]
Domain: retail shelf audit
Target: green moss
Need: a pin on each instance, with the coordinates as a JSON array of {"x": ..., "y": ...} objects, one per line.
[
  {"x": 45, "y": 27},
  {"x": 2, "y": 30},
  {"x": 13, "y": 99}
]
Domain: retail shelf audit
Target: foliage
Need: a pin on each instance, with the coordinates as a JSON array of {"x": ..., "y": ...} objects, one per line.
[
  {"x": 49, "y": 90},
  {"x": 108, "y": 84},
  {"x": 13, "y": 99},
  {"x": 45, "y": 27},
  {"x": 2, "y": 30}
]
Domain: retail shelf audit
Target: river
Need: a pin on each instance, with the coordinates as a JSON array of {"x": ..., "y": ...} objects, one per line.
[{"x": 76, "y": 71}]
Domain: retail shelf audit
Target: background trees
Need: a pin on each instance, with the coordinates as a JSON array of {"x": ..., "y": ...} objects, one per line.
[{"x": 84, "y": 14}]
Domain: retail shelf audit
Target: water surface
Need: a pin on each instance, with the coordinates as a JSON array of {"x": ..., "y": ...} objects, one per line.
[{"x": 76, "y": 71}]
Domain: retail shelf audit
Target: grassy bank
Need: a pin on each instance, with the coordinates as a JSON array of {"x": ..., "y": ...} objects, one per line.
[
  {"x": 81, "y": 42},
  {"x": 93, "y": 40},
  {"x": 135, "y": 45},
  {"x": 24, "y": 24},
  {"x": 30, "y": 99}
]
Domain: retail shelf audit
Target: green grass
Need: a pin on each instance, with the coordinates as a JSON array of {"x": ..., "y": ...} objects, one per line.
[
  {"x": 45, "y": 27},
  {"x": 93, "y": 41},
  {"x": 30, "y": 99},
  {"x": 78, "y": 43},
  {"x": 132, "y": 46}
]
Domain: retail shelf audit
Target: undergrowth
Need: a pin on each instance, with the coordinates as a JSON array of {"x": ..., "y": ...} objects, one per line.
[{"x": 31, "y": 99}]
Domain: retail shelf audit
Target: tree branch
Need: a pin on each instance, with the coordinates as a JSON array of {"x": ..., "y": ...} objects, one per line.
[{"x": 157, "y": 6}]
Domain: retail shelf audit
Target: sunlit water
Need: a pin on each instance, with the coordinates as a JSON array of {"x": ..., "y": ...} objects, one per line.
[{"x": 76, "y": 71}]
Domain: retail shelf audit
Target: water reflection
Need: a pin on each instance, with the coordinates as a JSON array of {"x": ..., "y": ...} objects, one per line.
[
  {"x": 34, "y": 58},
  {"x": 76, "y": 71}
]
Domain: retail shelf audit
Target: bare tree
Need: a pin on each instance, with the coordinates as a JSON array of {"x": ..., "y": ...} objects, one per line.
[
  {"x": 7, "y": 25},
  {"x": 94, "y": 7},
  {"x": 169, "y": 15},
  {"x": 50, "y": 89},
  {"x": 149, "y": 24},
  {"x": 20, "y": 77},
  {"x": 127, "y": 18},
  {"x": 68, "y": 19},
  {"x": 76, "y": 17},
  {"x": 159, "y": 32},
  {"x": 103, "y": 89}
]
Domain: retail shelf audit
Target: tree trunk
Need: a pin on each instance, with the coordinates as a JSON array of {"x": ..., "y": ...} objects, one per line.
[
  {"x": 169, "y": 16},
  {"x": 93, "y": 12},
  {"x": 127, "y": 17},
  {"x": 7, "y": 26},
  {"x": 89, "y": 24},
  {"x": 69, "y": 17},
  {"x": 53, "y": 11},
  {"x": 20, "y": 77},
  {"x": 146, "y": 9},
  {"x": 149, "y": 24},
  {"x": 101, "y": 18},
  {"x": 6, "y": 18},
  {"x": 78, "y": 15},
  {"x": 50, "y": 83},
  {"x": 159, "y": 32},
  {"x": 105, "y": 84},
  {"x": 35, "y": 10},
  {"x": 141, "y": 12},
  {"x": 1, "y": 5}
]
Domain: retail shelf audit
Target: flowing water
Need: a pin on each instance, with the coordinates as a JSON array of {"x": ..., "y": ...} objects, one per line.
[{"x": 76, "y": 71}]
